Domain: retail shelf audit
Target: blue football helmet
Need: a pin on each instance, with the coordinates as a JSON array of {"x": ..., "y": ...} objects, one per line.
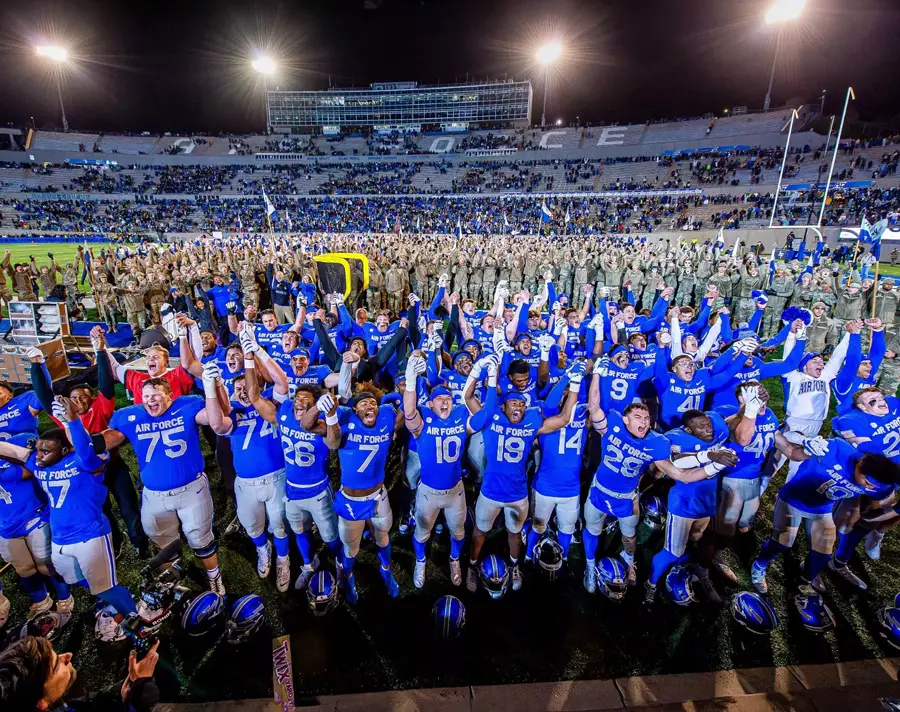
[
  {"x": 449, "y": 616},
  {"x": 680, "y": 585},
  {"x": 322, "y": 593},
  {"x": 245, "y": 619},
  {"x": 897, "y": 601},
  {"x": 653, "y": 511},
  {"x": 204, "y": 613},
  {"x": 815, "y": 615},
  {"x": 754, "y": 612},
  {"x": 494, "y": 576},
  {"x": 612, "y": 578},
  {"x": 890, "y": 623}
]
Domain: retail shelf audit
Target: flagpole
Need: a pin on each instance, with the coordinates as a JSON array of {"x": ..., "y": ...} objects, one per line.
[
  {"x": 787, "y": 146},
  {"x": 837, "y": 147},
  {"x": 856, "y": 248}
]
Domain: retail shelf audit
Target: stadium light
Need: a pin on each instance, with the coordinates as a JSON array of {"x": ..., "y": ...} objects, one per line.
[
  {"x": 559, "y": 122},
  {"x": 59, "y": 55},
  {"x": 546, "y": 55},
  {"x": 264, "y": 65},
  {"x": 784, "y": 11},
  {"x": 267, "y": 67},
  {"x": 779, "y": 13}
]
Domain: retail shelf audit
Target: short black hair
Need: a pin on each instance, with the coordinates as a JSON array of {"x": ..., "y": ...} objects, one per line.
[
  {"x": 518, "y": 367},
  {"x": 78, "y": 386},
  {"x": 880, "y": 468},
  {"x": 689, "y": 415},
  {"x": 57, "y": 435},
  {"x": 636, "y": 406}
]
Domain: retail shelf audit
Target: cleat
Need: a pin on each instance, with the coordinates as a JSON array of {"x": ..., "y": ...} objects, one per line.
[
  {"x": 217, "y": 585},
  {"x": 631, "y": 575},
  {"x": 65, "y": 607},
  {"x": 817, "y": 584},
  {"x": 472, "y": 579},
  {"x": 419, "y": 574},
  {"x": 705, "y": 586},
  {"x": 758, "y": 578},
  {"x": 4, "y": 610},
  {"x": 282, "y": 573},
  {"x": 649, "y": 594},
  {"x": 455, "y": 572},
  {"x": 233, "y": 527},
  {"x": 264, "y": 560},
  {"x": 590, "y": 578},
  {"x": 393, "y": 588},
  {"x": 350, "y": 590},
  {"x": 306, "y": 573},
  {"x": 724, "y": 570},
  {"x": 40, "y": 607},
  {"x": 516, "y": 575},
  {"x": 847, "y": 574},
  {"x": 873, "y": 545}
]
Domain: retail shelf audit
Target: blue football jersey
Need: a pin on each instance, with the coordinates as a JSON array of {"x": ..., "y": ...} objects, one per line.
[
  {"x": 676, "y": 397},
  {"x": 364, "y": 451},
  {"x": 23, "y": 504},
  {"x": 507, "y": 447},
  {"x": 16, "y": 418},
  {"x": 529, "y": 392},
  {"x": 305, "y": 456},
  {"x": 270, "y": 339},
  {"x": 167, "y": 447},
  {"x": 619, "y": 387},
  {"x": 441, "y": 445},
  {"x": 695, "y": 500},
  {"x": 559, "y": 474},
  {"x": 75, "y": 490},
  {"x": 313, "y": 376},
  {"x": 626, "y": 457},
  {"x": 255, "y": 444},
  {"x": 883, "y": 431},
  {"x": 752, "y": 456},
  {"x": 822, "y": 481}
]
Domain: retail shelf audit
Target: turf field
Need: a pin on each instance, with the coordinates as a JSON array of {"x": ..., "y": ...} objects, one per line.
[{"x": 545, "y": 632}]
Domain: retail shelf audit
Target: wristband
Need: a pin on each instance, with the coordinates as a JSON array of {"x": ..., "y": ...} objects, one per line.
[
  {"x": 262, "y": 355},
  {"x": 249, "y": 363},
  {"x": 209, "y": 389},
  {"x": 713, "y": 468},
  {"x": 545, "y": 356},
  {"x": 410, "y": 385},
  {"x": 331, "y": 419},
  {"x": 703, "y": 457}
]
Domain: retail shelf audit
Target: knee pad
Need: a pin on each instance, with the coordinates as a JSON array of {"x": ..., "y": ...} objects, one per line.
[{"x": 204, "y": 552}]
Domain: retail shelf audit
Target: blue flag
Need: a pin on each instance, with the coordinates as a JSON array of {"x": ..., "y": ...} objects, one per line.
[
  {"x": 546, "y": 215},
  {"x": 877, "y": 230}
]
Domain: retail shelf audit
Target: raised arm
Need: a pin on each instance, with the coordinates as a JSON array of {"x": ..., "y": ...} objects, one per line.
[
  {"x": 555, "y": 422},
  {"x": 65, "y": 412},
  {"x": 411, "y": 416}
]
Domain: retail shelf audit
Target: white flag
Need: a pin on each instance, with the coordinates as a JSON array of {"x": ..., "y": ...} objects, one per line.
[
  {"x": 287, "y": 219},
  {"x": 270, "y": 209}
]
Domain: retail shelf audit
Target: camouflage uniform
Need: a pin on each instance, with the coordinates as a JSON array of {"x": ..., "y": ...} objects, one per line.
[
  {"x": 746, "y": 304},
  {"x": 135, "y": 314},
  {"x": 374, "y": 301},
  {"x": 821, "y": 332},
  {"x": 475, "y": 273},
  {"x": 686, "y": 283},
  {"x": 249, "y": 285},
  {"x": 704, "y": 272},
  {"x": 722, "y": 282},
  {"x": 803, "y": 295},
  {"x": 779, "y": 291},
  {"x": 461, "y": 279},
  {"x": 886, "y": 303},
  {"x": 529, "y": 274},
  {"x": 488, "y": 282},
  {"x": 612, "y": 270},
  {"x": 516, "y": 276},
  {"x": 106, "y": 303},
  {"x": 393, "y": 284}
]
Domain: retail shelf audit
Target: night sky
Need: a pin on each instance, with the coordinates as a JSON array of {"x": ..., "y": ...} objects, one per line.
[{"x": 182, "y": 66}]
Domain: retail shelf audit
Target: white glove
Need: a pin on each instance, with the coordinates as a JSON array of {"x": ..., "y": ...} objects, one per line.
[
  {"x": 801, "y": 333},
  {"x": 548, "y": 276},
  {"x": 211, "y": 375},
  {"x": 414, "y": 368},
  {"x": 413, "y": 299},
  {"x": 325, "y": 403},
  {"x": 493, "y": 364},
  {"x": 437, "y": 340},
  {"x": 749, "y": 346},
  {"x": 556, "y": 307},
  {"x": 665, "y": 338},
  {"x": 604, "y": 292},
  {"x": 602, "y": 367},
  {"x": 596, "y": 323},
  {"x": 422, "y": 322},
  {"x": 558, "y": 325},
  {"x": 816, "y": 447},
  {"x": 545, "y": 343},
  {"x": 247, "y": 339},
  {"x": 35, "y": 353},
  {"x": 478, "y": 367},
  {"x": 59, "y": 411},
  {"x": 752, "y": 402},
  {"x": 443, "y": 280},
  {"x": 181, "y": 330}
]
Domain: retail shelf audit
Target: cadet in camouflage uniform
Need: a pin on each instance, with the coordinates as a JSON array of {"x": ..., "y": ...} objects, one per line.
[
  {"x": 516, "y": 276},
  {"x": 751, "y": 280},
  {"x": 850, "y": 301},
  {"x": 781, "y": 289},
  {"x": 461, "y": 277},
  {"x": 722, "y": 281},
  {"x": 649, "y": 286},
  {"x": 635, "y": 276},
  {"x": 394, "y": 283},
  {"x": 529, "y": 273},
  {"x": 821, "y": 331},
  {"x": 612, "y": 270},
  {"x": 375, "y": 290},
  {"x": 419, "y": 277},
  {"x": 889, "y": 374},
  {"x": 489, "y": 281},
  {"x": 70, "y": 282},
  {"x": 687, "y": 281},
  {"x": 5, "y": 294},
  {"x": 47, "y": 275},
  {"x": 804, "y": 292},
  {"x": 581, "y": 278},
  {"x": 157, "y": 292},
  {"x": 886, "y": 302},
  {"x": 564, "y": 282},
  {"x": 106, "y": 302},
  {"x": 133, "y": 301},
  {"x": 249, "y": 284},
  {"x": 704, "y": 274},
  {"x": 21, "y": 276},
  {"x": 503, "y": 270},
  {"x": 475, "y": 272}
]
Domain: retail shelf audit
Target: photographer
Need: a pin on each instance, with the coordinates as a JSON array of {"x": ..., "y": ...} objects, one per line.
[{"x": 33, "y": 676}]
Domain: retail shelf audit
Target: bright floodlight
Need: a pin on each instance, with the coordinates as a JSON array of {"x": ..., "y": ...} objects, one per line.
[
  {"x": 549, "y": 53},
  {"x": 57, "y": 54},
  {"x": 784, "y": 11},
  {"x": 264, "y": 65}
]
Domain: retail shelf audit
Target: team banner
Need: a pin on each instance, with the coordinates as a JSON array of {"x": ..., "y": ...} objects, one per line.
[{"x": 283, "y": 672}]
